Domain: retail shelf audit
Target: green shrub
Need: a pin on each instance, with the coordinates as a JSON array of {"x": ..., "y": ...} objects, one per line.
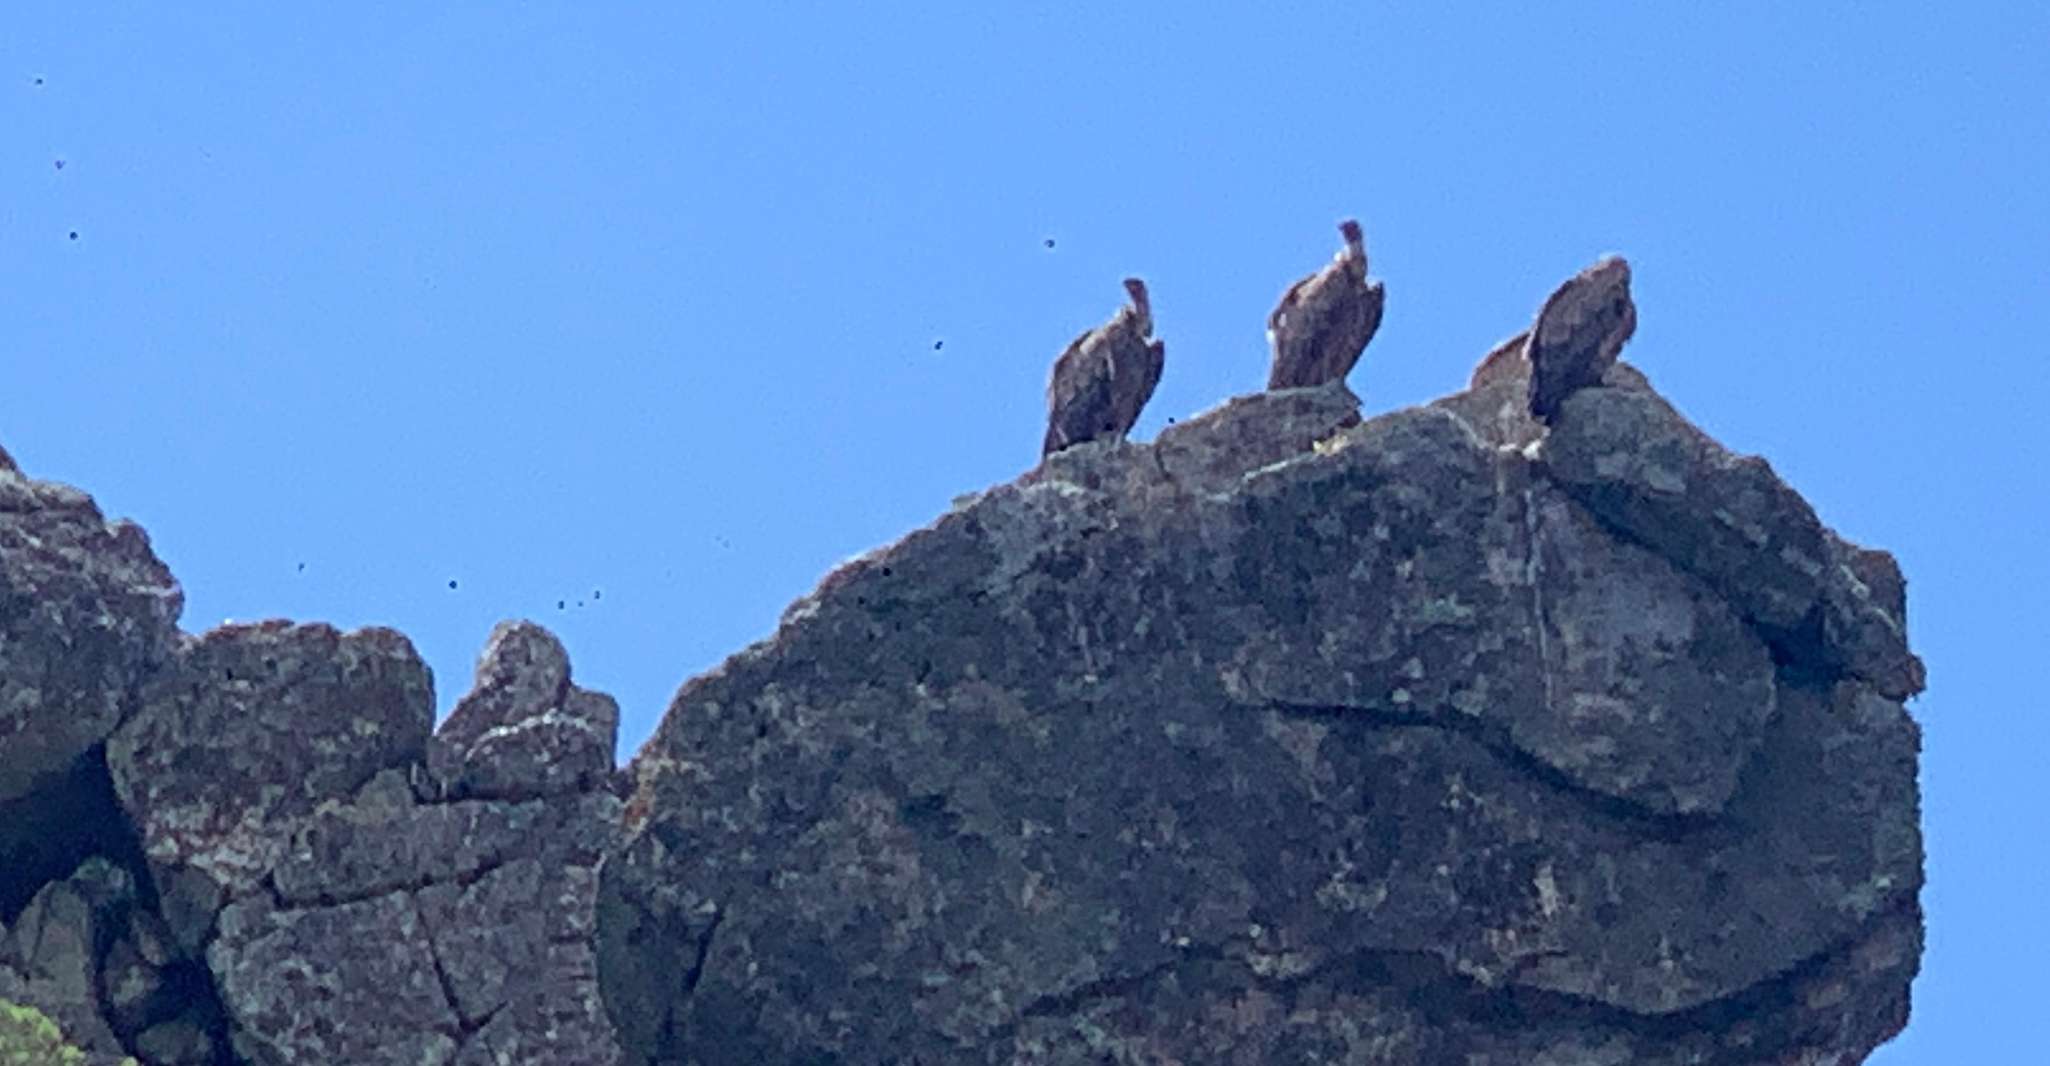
[{"x": 29, "y": 1038}]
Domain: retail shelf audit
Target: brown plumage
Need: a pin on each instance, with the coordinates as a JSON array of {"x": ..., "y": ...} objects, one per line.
[
  {"x": 1503, "y": 360},
  {"x": 1578, "y": 335},
  {"x": 1103, "y": 379},
  {"x": 1324, "y": 321}
]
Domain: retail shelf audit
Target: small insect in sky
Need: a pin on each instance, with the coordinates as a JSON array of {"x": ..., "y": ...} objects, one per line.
[{"x": 1049, "y": 242}]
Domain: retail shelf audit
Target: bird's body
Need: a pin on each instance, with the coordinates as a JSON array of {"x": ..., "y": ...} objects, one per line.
[
  {"x": 1503, "y": 360},
  {"x": 1104, "y": 378},
  {"x": 1579, "y": 334},
  {"x": 1324, "y": 321}
]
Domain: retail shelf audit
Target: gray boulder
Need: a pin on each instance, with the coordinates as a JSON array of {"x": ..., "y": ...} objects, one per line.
[
  {"x": 86, "y": 612},
  {"x": 1294, "y": 738}
]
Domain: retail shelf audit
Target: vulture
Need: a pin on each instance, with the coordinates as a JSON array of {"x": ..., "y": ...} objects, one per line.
[
  {"x": 1578, "y": 335},
  {"x": 1105, "y": 377},
  {"x": 1324, "y": 321}
]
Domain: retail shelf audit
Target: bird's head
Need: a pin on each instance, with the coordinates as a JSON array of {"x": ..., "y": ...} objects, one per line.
[
  {"x": 1610, "y": 270},
  {"x": 1353, "y": 257},
  {"x": 1136, "y": 289},
  {"x": 1355, "y": 242}
]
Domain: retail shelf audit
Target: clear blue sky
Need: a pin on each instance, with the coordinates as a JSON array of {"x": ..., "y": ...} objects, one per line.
[{"x": 550, "y": 303}]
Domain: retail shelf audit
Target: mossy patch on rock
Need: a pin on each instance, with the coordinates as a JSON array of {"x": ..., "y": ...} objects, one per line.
[{"x": 29, "y": 1038}]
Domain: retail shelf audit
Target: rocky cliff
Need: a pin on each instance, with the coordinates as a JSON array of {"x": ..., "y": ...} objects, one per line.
[
  {"x": 1290, "y": 737},
  {"x": 252, "y": 846}
]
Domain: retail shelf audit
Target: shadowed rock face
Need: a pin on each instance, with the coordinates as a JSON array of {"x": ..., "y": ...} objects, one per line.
[
  {"x": 1291, "y": 738},
  {"x": 1727, "y": 518},
  {"x": 86, "y": 611}
]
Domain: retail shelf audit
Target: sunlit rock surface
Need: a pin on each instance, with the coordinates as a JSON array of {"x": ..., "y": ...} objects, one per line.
[{"x": 1429, "y": 738}]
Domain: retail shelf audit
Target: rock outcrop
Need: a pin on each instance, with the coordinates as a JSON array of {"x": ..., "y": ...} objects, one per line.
[
  {"x": 86, "y": 610},
  {"x": 354, "y": 900},
  {"x": 1438, "y": 737},
  {"x": 252, "y": 846},
  {"x": 1290, "y": 738}
]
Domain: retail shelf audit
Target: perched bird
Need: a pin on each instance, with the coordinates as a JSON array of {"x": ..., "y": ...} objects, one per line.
[
  {"x": 1105, "y": 377},
  {"x": 1503, "y": 360},
  {"x": 1578, "y": 335},
  {"x": 1324, "y": 321}
]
